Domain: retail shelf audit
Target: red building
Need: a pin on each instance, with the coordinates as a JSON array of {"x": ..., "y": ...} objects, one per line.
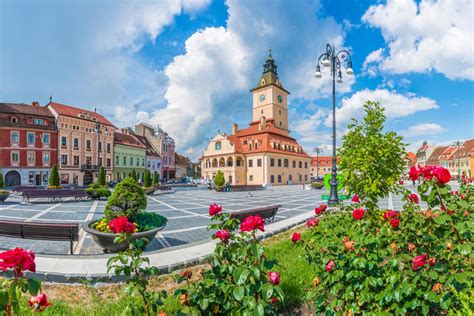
[{"x": 28, "y": 143}]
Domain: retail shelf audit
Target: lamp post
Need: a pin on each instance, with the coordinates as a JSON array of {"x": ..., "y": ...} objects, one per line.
[
  {"x": 458, "y": 145},
  {"x": 317, "y": 150},
  {"x": 97, "y": 131},
  {"x": 336, "y": 61}
]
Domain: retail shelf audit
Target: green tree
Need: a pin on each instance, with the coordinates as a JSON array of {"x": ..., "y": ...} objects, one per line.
[
  {"x": 371, "y": 160},
  {"x": 101, "y": 178},
  {"x": 133, "y": 175},
  {"x": 147, "y": 179},
  {"x": 54, "y": 180},
  {"x": 219, "y": 179},
  {"x": 156, "y": 179},
  {"x": 2, "y": 183},
  {"x": 127, "y": 199}
]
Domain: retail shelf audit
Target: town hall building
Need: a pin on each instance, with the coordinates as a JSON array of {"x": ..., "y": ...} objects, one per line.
[{"x": 263, "y": 153}]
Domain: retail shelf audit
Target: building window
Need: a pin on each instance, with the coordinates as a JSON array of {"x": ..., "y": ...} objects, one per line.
[
  {"x": 88, "y": 144},
  {"x": 14, "y": 119},
  {"x": 305, "y": 177},
  {"x": 131, "y": 161},
  {"x": 301, "y": 177},
  {"x": 46, "y": 138},
  {"x": 64, "y": 178},
  {"x": 76, "y": 143},
  {"x": 30, "y": 137},
  {"x": 272, "y": 179},
  {"x": 143, "y": 162},
  {"x": 290, "y": 177},
  {"x": 46, "y": 158},
  {"x": 250, "y": 177},
  {"x": 88, "y": 161},
  {"x": 272, "y": 162},
  {"x": 108, "y": 162},
  {"x": 99, "y": 162},
  {"x": 63, "y": 159},
  {"x": 149, "y": 164},
  {"x": 15, "y": 137},
  {"x": 279, "y": 178},
  {"x": 259, "y": 162},
  {"x": 117, "y": 160},
  {"x": 38, "y": 121},
  {"x": 300, "y": 164},
  {"x": 63, "y": 141},
  {"x": 76, "y": 160},
  {"x": 218, "y": 146},
  {"x": 30, "y": 156},
  {"x": 108, "y": 148},
  {"x": 138, "y": 162},
  {"x": 306, "y": 164},
  {"x": 294, "y": 164},
  {"x": 124, "y": 160},
  {"x": 286, "y": 163},
  {"x": 250, "y": 163},
  {"x": 100, "y": 146},
  {"x": 15, "y": 157}
]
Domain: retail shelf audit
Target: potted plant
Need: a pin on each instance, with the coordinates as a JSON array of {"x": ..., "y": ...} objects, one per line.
[
  {"x": 219, "y": 181},
  {"x": 148, "y": 188},
  {"x": 54, "y": 180},
  {"x": 126, "y": 204},
  {"x": 3, "y": 193},
  {"x": 317, "y": 185}
]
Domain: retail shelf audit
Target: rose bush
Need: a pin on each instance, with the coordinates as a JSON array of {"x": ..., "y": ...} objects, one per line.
[
  {"x": 412, "y": 261},
  {"x": 18, "y": 261},
  {"x": 240, "y": 280}
]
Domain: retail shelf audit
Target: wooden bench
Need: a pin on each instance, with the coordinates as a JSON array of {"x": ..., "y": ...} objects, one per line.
[
  {"x": 22, "y": 188},
  {"x": 239, "y": 188},
  {"x": 54, "y": 195},
  {"x": 41, "y": 231},
  {"x": 266, "y": 212}
]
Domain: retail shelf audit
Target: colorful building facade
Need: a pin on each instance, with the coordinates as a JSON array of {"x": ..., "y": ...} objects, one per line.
[
  {"x": 28, "y": 144},
  {"x": 85, "y": 142},
  {"x": 129, "y": 155}
]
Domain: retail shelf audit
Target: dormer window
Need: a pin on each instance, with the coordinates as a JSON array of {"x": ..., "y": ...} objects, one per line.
[
  {"x": 37, "y": 121},
  {"x": 263, "y": 82},
  {"x": 14, "y": 119},
  {"x": 218, "y": 146}
]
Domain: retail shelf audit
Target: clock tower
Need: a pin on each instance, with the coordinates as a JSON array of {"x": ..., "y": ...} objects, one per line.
[{"x": 269, "y": 96}]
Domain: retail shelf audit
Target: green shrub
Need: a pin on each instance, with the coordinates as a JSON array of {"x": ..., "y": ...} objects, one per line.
[
  {"x": 405, "y": 262},
  {"x": 2, "y": 183},
  {"x": 148, "y": 220},
  {"x": 127, "y": 199},
  {"x": 101, "y": 178},
  {"x": 147, "y": 179},
  {"x": 54, "y": 180},
  {"x": 317, "y": 185},
  {"x": 133, "y": 175},
  {"x": 98, "y": 192},
  {"x": 156, "y": 179},
  {"x": 219, "y": 179}
]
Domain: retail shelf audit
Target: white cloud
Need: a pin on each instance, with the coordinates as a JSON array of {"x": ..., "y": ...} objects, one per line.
[
  {"x": 395, "y": 104},
  {"x": 208, "y": 85},
  {"x": 430, "y": 35},
  {"x": 423, "y": 129},
  {"x": 369, "y": 64}
]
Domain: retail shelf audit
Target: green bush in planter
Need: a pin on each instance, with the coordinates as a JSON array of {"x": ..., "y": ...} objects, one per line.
[
  {"x": 54, "y": 180},
  {"x": 156, "y": 180},
  {"x": 98, "y": 191},
  {"x": 147, "y": 179},
  {"x": 127, "y": 199},
  {"x": 219, "y": 179},
  {"x": 317, "y": 185},
  {"x": 101, "y": 178},
  {"x": 148, "y": 220}
]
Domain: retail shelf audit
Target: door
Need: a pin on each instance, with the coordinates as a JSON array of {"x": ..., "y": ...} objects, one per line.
[
  {"x": 38, "y": 179},
  {"x": 12, "y": 178},
  {"x": 87, "y": 178}
]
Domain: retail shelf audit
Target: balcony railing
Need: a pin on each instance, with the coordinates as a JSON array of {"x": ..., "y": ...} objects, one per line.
[{"x": 89, "y": 168}]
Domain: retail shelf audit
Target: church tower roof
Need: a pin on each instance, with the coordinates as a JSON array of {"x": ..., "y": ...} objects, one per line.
[{"x": 269, "y": 75}]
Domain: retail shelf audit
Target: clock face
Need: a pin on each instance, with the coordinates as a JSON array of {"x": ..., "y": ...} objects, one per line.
[
  {"x": 280, "y": 99},
  {"x": 262, "y": 97}
]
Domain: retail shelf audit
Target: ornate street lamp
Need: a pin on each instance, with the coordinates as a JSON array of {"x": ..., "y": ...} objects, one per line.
[
  {"x": 317, "y": 150},
  {"x": 458, "y": 144},
  {"x": 336, "y": 61}
]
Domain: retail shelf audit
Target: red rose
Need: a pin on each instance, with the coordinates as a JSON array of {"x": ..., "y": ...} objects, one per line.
[
  {"x": 427, "y": 171},
  {"x": 214, "y": 209},
  {"x": 442, "y": 175},
  {"x": 320, "y": 209},
  {"x": 39, "y": 302},
  {"x": 389, "y": 214},
  {"x": 18, "y": 259},
  {"x": 419, "y": 261},
  {"x": 273, "y": 300},
  {"x": 121, "y": 225},
  {"x": 358, "y": 213},
  {"x": 355, "y": 199},
  {"x": 223, "y": 235},
  {"x": 312, "y": 222},
  {"x": 330, "y": 265},
  {"x": 414, "y": 173},
  {"x": 432, "y": 261},
  {"x": 413, "y": 198},
  {"x": 295, "y": 237},
  {"x": 395, "y": 223},
  {"x": 400, "y": 182},
  {"x": 252, "y": 223},
  {"x": 274, "y": 277}
]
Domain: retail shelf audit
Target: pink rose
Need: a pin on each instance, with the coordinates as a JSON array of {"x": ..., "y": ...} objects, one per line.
[
  {"x": 358, "y": 213},
  {"x": 442, "y": 175},
  {"x": 252, "y": 223},
  {"x": 355, "y": 199},
  {"x": 330, "y": 265},
  {"x": 18, "y": 259},
  {"x": 419, "y": 261},
  {"x": 274, "y": 277},
  {"x": 295, "y": 237},
  {"x": 389, "y": 214},
  {"x": 121, "y": 225},
  {"x": 320, "y": 209},
  {"x": 395, "y": 223},
  {"x": 39, "y": 302},
  {"x": 214, "y": 209},
  {"x": 312, "y": 222},
  {"x": 413, "y": 198},
  {"x": 223, "y": 235}
]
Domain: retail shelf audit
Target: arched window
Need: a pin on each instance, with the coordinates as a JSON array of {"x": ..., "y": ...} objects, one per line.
[
  {"x": 240, "y": 162},
  {"x": 230, "y": 162},
  {"x": 222, "y": 162},
  {"x": 300, "y": 164},
  {"x": 285, "y": 163},
  {"x": 272, "y": 179},
  {"x": 214, "y": 163},
  {"x": 218, "y": 146},
  {"x": 290, "y": 177},
  {"x": 294, "y": 163},
  {"x": 279, "y": 178},
  {"x": 208, "y": 163}
]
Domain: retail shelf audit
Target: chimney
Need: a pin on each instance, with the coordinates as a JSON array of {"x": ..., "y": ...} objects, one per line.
[
  {"x": 263, "y": 123},
  {"x": 235, "y": 128},
  {"x": 35, "y": 103}
]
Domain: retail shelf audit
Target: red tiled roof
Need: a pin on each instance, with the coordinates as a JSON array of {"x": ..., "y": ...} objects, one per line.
[
  {"x": 467, "y": 149},
  {"x": 324, "y": 161},
  {"x": 71, "y": 111},
  {"x": 435, "y": 156},
  {"x": 127, "y": 140},
  {"x": 18, "y": 108}
]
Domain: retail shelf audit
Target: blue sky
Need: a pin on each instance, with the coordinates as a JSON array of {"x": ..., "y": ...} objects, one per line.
[{"x": 188, "y": 65}]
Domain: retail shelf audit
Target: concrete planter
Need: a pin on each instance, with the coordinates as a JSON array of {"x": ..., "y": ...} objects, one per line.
[
  {"x": 106, "y": 240},
  {"x": 149, "y": 191}
]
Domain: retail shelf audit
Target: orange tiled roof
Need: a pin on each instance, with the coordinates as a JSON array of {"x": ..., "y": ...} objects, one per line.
[
  {"x": 324, "y": 161},
  {"x": 467, "y": 149},
  {"x": 435, "y": 156},
  {"x": 127, "y": 140},
  {"x": 71, "y": 111}
]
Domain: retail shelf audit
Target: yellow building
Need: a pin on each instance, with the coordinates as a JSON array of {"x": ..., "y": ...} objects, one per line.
[{"x": 263, "y": 153}]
